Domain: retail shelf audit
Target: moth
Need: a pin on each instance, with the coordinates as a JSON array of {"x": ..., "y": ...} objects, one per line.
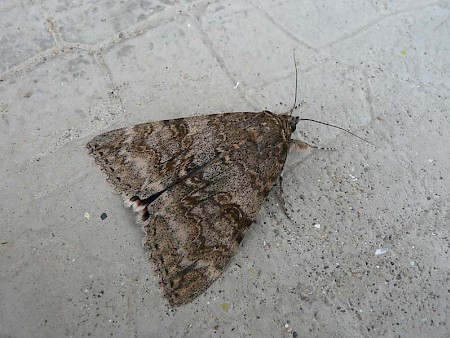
[{"x": 197, "y": 184}]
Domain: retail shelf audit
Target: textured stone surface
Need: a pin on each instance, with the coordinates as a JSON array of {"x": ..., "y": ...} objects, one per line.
[
  {"x": 148, "y": 69},
  {"x": 91, "y": 21},
  {"x": 24, "y": 33},
  {"x": 72, "y": 70}
]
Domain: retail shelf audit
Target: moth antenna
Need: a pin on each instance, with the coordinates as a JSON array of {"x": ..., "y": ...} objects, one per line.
[
  {"x": 337, "y": 127},
  {"x": 296, "y": 85}
]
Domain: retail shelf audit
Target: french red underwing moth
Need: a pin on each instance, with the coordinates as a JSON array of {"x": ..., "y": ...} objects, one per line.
[{"x": 197, "y": 184}]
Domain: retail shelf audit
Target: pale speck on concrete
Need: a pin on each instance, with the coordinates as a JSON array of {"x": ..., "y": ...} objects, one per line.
[
  {"x": 381, "y": 251},
  {"x": 70, "y": 70}
]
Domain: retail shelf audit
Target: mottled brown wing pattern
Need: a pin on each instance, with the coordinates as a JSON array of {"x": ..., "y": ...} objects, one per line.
[{"x": 197, "y": 183}]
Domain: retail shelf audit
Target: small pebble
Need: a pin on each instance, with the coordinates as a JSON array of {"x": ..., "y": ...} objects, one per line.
[
  {"x": 103, "y": 216},
  {"x": 381, "y": 251}
]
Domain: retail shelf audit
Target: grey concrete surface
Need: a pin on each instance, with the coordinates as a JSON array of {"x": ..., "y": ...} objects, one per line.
[{"x": 368, "y": 252}]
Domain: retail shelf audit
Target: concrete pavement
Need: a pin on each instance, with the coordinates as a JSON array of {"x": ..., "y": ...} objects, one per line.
[{"x": 368, "y": 252}]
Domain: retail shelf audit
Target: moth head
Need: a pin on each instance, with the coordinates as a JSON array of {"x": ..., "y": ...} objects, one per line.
[{"x": 293, "y": 120}]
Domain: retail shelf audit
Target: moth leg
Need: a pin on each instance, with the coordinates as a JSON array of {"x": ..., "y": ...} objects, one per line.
[
  {"x": 303, "y": 145},
  {"x": 280, "y": 197}
]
